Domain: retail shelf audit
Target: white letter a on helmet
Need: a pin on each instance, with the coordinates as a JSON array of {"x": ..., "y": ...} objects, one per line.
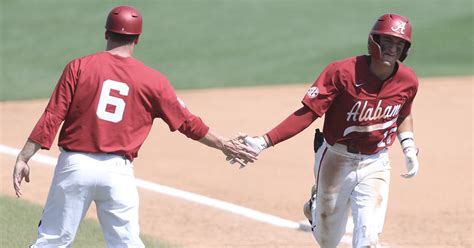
[{"x": 399, "y": 28}]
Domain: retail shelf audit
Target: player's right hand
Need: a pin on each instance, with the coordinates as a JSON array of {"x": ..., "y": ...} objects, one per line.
[
  {"x": 258, "y": 144},
  {"x": 238, "y": 152},
  {"x": 21, "y": 170}
]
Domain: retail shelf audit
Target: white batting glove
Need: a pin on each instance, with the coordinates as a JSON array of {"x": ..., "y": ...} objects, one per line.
[
  {"x": 258, "y": 144},
  {"x": 411, "y": 160}
]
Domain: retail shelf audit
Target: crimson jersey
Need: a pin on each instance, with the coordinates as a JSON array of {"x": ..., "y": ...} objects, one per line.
[
  {"x": 360, "y": 109},
  {"x": 108, "y": 104}
]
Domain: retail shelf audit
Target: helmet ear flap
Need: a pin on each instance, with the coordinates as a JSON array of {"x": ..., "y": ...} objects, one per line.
[
  {"x": 405, "y": 51},
  {"x": 374, "y": 47}
]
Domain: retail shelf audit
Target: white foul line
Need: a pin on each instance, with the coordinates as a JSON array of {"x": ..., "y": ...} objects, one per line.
[
  {"x": 44, "y": 159},
  {"x": 229, "y": 207}
]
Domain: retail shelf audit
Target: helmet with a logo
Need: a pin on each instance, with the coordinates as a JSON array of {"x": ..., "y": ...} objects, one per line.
[
  {"x": 124, "y": 20},
  {"x": 390, "y": 24}
]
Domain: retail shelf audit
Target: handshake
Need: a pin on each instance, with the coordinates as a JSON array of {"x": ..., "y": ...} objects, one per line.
[{"x": 243, "y": 149}]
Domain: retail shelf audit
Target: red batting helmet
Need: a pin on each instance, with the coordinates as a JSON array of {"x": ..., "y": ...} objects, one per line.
[
  {"x": 394, "y": 25},
  {"x": 124, "y": 20}
]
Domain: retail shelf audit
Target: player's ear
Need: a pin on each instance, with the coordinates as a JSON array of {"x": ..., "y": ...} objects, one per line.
[
  {"x": 136, "y": 41},
  {"x": 106, "y": 35}
]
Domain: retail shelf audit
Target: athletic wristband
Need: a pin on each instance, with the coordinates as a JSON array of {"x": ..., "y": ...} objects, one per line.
[{"x": 407, "y": 141}]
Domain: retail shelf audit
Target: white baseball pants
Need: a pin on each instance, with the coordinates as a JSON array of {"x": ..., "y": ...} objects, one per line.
[
  {"x": 347, "y": 181},
  {"x": 79, "y": 179}
]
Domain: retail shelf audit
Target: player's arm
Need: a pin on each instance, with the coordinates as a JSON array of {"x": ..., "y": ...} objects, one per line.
[
  {"x": 45, "y": 130},
  {"x": 407, "y": 141},
  {"x": 55, "y": 112},
  {"x": 232, "y": 148},
  {"x": 194, "y": 128},
  {"x": 174, "y": 112},
  {"x": 22, "y": 170},
  {"x": 291, "y": 126},
  {"x": 405, "y": 124}
]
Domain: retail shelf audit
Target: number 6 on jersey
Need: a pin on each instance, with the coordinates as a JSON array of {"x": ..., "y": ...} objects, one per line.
[{"x": 107, "y": 99}]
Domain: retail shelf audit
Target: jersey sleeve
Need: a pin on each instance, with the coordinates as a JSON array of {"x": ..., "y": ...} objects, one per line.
[
  {"x": 323, "y": 91},
  {"x": 48, "y": 125},
  {"x": 170, "y": 108},
  {"x": 406, "y": 108},
  {"x": 194, "y": 128}
]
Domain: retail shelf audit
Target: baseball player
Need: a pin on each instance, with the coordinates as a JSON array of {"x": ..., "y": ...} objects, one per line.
[
  {"x": 107, "y": 101},
  {"x": 366, "y": 102}
]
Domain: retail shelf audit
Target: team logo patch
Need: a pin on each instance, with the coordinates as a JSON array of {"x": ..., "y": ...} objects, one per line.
[
  {"x": 312, "y": 92},
  {"x": 400, "y": 27}
]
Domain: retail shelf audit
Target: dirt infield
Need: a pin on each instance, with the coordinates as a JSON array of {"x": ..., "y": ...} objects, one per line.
[{"x": 435, "y": 209}]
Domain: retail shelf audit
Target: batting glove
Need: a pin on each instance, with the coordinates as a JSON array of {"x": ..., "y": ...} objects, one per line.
[{"x": 258, "y": 144}]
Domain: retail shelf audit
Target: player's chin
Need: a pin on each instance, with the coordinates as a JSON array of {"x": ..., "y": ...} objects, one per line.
[{"x": 389, "y": 60}]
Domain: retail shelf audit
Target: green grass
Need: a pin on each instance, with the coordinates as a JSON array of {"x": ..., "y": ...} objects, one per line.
[
  {"x": 19, "y": 222},
  {"x": 221, "y": 43}
]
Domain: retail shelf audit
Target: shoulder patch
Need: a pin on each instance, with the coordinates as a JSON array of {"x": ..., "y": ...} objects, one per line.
[{"x": 312, "y": 92}]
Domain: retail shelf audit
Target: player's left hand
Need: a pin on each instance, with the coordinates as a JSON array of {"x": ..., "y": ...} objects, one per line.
[
  {"x": 21, "y": 170},
  {"x": 411, "y": 162}
]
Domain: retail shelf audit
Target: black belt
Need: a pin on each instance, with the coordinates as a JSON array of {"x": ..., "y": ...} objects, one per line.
[{"x": 353, "y": 149}]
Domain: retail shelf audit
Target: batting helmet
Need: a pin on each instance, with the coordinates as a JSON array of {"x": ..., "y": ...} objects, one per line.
[
  {"x": 390, "y": 24},
  {"x": 124, "y": 20}
]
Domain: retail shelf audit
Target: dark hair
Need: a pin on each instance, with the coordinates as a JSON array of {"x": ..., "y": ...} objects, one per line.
[{"x": 122, "y": 38}]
